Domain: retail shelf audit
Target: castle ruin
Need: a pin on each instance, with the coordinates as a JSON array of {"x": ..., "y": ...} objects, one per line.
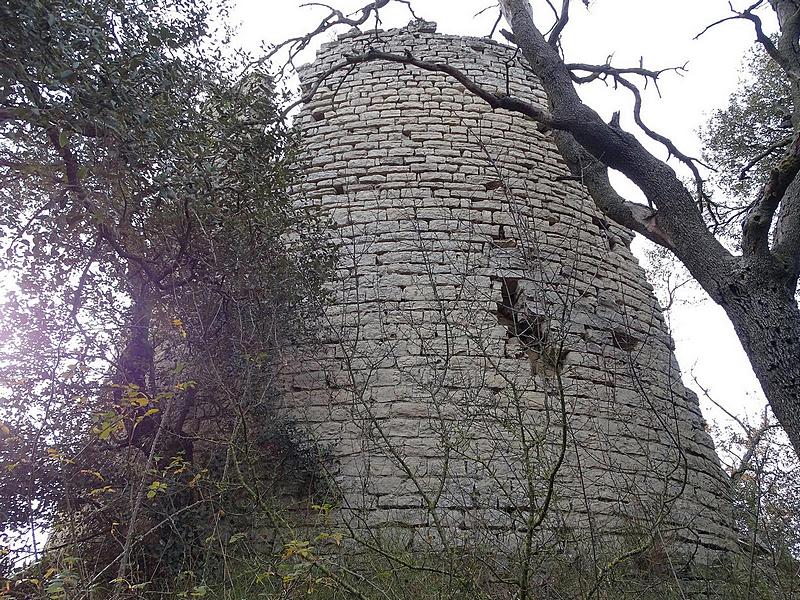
[{"x": 494, "y": 367}]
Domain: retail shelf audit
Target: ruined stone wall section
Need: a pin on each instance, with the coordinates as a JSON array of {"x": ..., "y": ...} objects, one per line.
[{"x": 483, "y": 309}]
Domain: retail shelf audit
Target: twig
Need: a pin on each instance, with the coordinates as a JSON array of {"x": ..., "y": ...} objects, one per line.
[
  {"x": 761, "y": 156},
  {"x": 334, "y": 18},
  {"x": 135, "y": 508},
  {"x": 748, "y": 14}
]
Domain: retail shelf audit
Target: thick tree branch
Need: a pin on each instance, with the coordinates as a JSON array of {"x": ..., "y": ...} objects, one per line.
[
  {"x": 594, "y": 175},
  {"x": 788, "y": 46},
  {"x": 561, "y": 23},
  {"x": 755, "y": 234},
  {"x": 677, "y": 215},
  {"x": 786, "y": 241}
]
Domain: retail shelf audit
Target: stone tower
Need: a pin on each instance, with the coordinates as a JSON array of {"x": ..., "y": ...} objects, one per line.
[{"x": 494, "y": 365}]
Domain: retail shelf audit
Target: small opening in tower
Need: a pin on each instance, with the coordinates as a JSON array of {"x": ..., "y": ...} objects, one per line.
[
  {"x": 501, "y": 239},
  {"x": 530, "y": 328},
  {"x": 624, "y": 341},
  {"x": 600, "y": 223},
  {"x": 506, "y": 309}
]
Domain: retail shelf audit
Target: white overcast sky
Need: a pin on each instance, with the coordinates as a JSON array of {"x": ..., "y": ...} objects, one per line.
[{"x": 659, "y": 32}]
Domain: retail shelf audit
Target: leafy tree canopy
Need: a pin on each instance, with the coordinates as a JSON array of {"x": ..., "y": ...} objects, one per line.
[
  {"x": 744, "y": 140},
  {"x": 153, "y": 260}
]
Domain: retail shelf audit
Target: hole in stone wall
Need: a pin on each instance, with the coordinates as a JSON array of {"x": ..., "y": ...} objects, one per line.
[
  {"x": 601, "y": 224},
  {"x": 501, "y": 241},
  {"x": 623, "y": 340},
  {"x": 604, "y": 227},
  {"x": 531, "y": 329},
  {"x": 492, "y": 185},
  {"x": 318, "y": 116},
  {"x": 338, "y": 188}
]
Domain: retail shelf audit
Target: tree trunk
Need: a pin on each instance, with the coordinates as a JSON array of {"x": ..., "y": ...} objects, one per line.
[
  {"x": 135, "y": 364},
  {"x": 766, "y": 317}
]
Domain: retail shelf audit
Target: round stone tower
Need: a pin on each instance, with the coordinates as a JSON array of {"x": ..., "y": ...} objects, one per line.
[{"x": 494, "y": 367}]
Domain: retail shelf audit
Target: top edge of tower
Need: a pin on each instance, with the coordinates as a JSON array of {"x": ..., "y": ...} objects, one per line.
[{"x": 416, "y": 28}]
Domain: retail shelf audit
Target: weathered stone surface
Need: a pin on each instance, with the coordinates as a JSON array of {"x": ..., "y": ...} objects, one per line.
[{"x": 484, "y": 308}]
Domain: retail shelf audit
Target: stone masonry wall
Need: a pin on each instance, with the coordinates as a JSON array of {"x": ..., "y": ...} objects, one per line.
[{"x": 495, "y": 368}]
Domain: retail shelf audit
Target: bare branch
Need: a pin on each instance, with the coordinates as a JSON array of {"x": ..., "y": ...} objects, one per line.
[
  {"x": 485, "y": 10},
  {"x": 766, "y": 42},
  {"x": 605, "y": 70},
  {"x": 710, "y": 398},
  {"x": 754, "y": 435},
  {"x": 335, "y": 18},
  {"x": 754, "y": 439},
  {"x": 561, "y": 23},
  {"x": 662, "y": 139},
  {"x": 496, "y": 23},
  {"x": 762, "y": 155},
  {"x": 748, "y": 14},
  {"x": 493, "y": 99},
  {"x": 553, "y": 8}
]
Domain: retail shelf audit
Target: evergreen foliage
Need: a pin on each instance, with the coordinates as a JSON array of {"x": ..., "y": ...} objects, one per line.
[{"x": 153, "y": 266}]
